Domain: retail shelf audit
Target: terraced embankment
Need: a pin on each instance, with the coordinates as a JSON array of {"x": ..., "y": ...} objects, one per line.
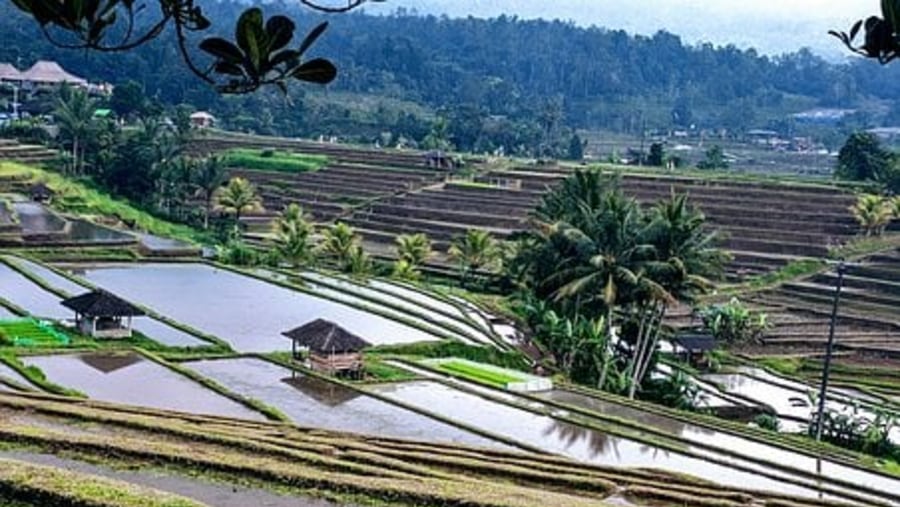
[
  {"x": 14, "y": 151},
  {"x": 869, "y": 320},
  {"x": 764, "y": 225},
  {"x": 302, "y": 462}
]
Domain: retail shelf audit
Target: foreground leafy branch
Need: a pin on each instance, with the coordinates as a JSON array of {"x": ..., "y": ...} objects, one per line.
[{"x": 257, "y": 57}]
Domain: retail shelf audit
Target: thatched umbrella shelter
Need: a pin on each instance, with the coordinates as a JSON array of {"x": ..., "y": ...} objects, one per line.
[
  {"x": 9, "y": 74},
  {"x": 50, "y": 73},
  {"x": 332, "y": 349},
  {"x": 40, "y": 192},
  {"x": 103, "y": 315}
]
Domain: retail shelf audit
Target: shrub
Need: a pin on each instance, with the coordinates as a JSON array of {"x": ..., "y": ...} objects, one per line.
[
  {"x": 767, "y": 422},
  {"x": 734, "y": 323}
]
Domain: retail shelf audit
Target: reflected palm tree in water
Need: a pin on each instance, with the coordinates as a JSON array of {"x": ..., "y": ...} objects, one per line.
[{"x": 598, "y": 443}]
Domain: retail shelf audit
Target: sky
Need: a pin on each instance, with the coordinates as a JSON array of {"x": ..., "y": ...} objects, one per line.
[{"x": 770, "y": 26}]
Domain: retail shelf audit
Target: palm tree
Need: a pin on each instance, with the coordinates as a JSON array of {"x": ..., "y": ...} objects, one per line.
[
  {"x": 237, "y": 197},
  {"x": 685, "y": 257},
  {"x": 74, "y": 114},
  {"x": 873, "y": 212},
  {"x": 339, "y": 242},
  {"x": 414, "y": 249},
  {"x": 476, "y": 250},
  {"x": 403, "y": 270},
  {"x": 208, "y": 175},
  {"x": 293, "y": 233},
  {"x": 359, "y": 263}
]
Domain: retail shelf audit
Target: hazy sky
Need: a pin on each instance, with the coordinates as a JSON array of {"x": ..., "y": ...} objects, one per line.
[{"x": 772, "y": 26}]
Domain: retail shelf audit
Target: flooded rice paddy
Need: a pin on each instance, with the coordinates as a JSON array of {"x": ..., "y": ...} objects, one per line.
[
  {"x": 39, "y": 302},
  {"x": 736, "y": 444},
  {"x": 248, "y": 313},
  {"x": 790, "y": 399},
  {"x": 130, "y": 379},
  {"x": 559, "y": 437},
  {"x": 311, "y": 402},
  {"x": 24, "y": 293}
]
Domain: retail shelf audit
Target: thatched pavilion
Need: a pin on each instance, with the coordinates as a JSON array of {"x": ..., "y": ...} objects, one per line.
[
  {"x": 332, "y": 349},
  {"x": 103, "y": 315}
]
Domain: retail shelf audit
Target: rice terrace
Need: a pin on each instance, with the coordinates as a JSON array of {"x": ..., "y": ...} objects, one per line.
[{"x": 454, "y": 276}]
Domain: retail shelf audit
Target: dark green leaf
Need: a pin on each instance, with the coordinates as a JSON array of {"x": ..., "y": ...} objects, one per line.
[
  {"x": 318, "y": 70},
  {"x": 250, "y": 35},
  {"x": 280, "y": 31},
  {"x": 312, "y": 36},
  {"x": 222, "y": 49},
  {"x": 855, "y": 29}
]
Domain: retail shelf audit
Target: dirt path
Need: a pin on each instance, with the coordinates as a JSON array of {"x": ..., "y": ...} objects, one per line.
[{"x": 210, "y": 493}]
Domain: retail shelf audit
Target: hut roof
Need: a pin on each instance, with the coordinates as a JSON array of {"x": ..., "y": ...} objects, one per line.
[
  {"x": 50, "y": 72},
  {"x": 41, "y": 189},
  {"x": 202, "y": 115},
  {"x": 100, "y": 303},
  {"x": 9, "y": 73},
  {"x": 696, "y": 342},
  {"x": 326, "y": 337}
]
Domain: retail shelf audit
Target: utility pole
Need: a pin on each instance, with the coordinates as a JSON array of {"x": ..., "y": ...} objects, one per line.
[{"x": 826, "y": 371}]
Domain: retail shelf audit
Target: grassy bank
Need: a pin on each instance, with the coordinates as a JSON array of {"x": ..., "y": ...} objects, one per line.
[
  {"x": 81, "y": 198},
  {"x": 273, "y": 160}
]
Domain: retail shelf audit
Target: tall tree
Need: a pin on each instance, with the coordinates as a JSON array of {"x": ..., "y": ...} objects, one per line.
[
  {"x": 475, "y": 250},
  {"x": 208, "y": 175},
  {"x": 75, "y": 116},
  {"x": 293, "y": 234},
  {"x": 339, "y": 242},
  {"x": 863, "y": 159},
  {"x": 236, "y": 198}
]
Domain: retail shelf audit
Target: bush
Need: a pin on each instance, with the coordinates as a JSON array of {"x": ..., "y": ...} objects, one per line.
[
  {"x": 25, "y": 131},
  {"x": 734, "y": 323},
  {"x": 767, "y": 422}
]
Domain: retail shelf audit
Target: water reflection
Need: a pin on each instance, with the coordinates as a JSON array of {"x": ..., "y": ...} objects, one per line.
[
  {"x": 316, "y": 403},
  {"x": 248, "y": 313},
  {"x": 130, "y": 379}
]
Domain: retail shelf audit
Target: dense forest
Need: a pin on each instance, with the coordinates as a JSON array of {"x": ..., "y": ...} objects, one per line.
[{"x": 500, "y": 82}]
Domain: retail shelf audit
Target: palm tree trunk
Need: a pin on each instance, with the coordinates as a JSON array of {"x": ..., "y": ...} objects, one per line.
[
  {"x": 659, "y": 313},
  {"x": 639, "y": 349},
  {"x": 207, "y": 210},
  {"x": 606, "y": 355}
]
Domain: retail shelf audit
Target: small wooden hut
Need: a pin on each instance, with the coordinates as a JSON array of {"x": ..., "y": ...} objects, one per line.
[
  {"x": 332, "y": 349},
  {"x": 40, "y": 192},
  {"x": 692, "y": 348},
  {"x": 103, "y": 315}
]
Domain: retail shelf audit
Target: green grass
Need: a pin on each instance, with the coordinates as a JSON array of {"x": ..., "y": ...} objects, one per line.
[
  {"x": 30, "y": 333},
  {"x": 450, "y": 348},
  {"x": 80, "y": 198},
  {"x": 378, "y": 371},
  {"x": 473, "y": 372},
  {"x": 783, "y": 365},
  {"x": 271, "y": 160}
]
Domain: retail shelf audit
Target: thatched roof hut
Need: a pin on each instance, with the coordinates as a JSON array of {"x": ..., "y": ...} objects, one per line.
[
  {"x": 103, "y": 315},
  {"x": 50, "y": 73},
  {"x": 331, "y": 348},
  {"x": 40, "y": 192},
  {"x": 9, "y": 73}
]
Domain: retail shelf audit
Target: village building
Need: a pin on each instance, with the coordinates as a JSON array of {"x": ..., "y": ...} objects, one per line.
[
  {"x": 331, "y": 348},
  {"x": 100, "y": 314},
  {"x": 202, "y": 120}
]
